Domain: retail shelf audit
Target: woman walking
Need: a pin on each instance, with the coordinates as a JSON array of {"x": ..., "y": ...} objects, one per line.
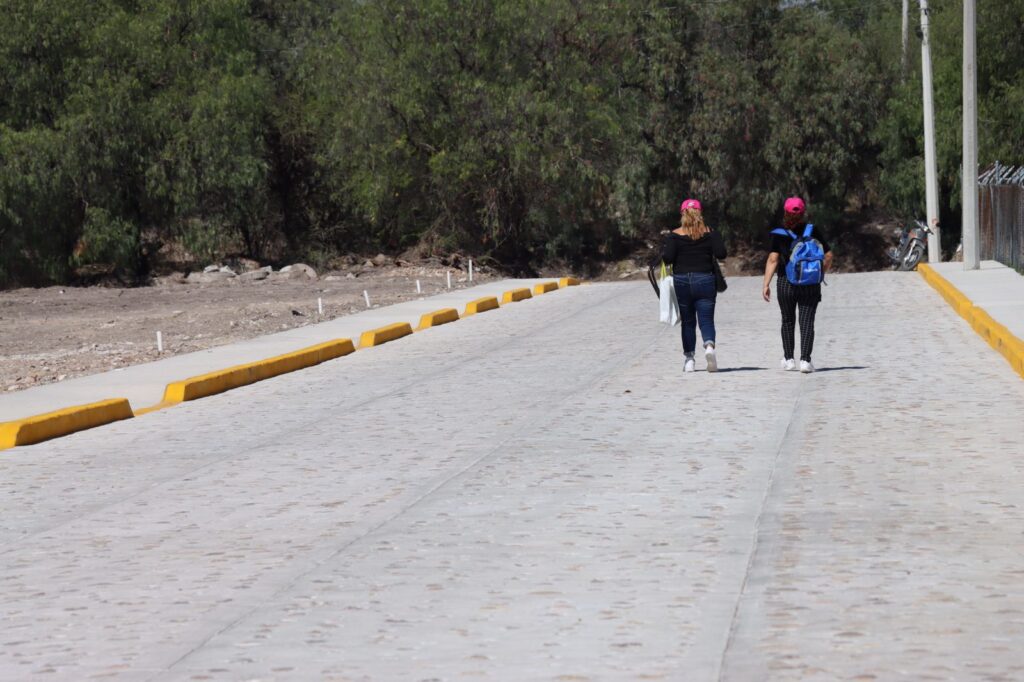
[
  {"x": 689, "y": 250},
  {"x": 793, "y": 296}
]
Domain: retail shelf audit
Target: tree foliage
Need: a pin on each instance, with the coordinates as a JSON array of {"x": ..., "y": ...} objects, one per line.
[{"x": 523, "y": 131}]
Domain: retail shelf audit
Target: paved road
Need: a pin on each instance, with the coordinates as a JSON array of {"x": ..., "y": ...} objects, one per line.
[{"x": 539, "y": 493}]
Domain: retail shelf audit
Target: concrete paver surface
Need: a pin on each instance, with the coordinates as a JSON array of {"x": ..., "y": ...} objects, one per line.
[{"x": 540, "y": 493}]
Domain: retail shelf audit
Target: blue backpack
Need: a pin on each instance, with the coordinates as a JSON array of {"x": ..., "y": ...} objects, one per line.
[{"x": 806, "y": 258}]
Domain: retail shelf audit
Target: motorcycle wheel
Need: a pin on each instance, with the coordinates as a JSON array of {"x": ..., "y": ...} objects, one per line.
[{"x": 913, "y": 258}]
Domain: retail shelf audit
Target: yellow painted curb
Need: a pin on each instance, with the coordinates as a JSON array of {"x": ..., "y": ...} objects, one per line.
[
  {"x": 42, "y": 427},
  {"x": 438, "y": 317},
  {"x": 481, "y": 305},
  {"x": 153, "y": 408},
  {"x": 514, "y": 295},
  {"x": 568, "y": 282},
  {"x": 243, "y": 375},
  {"x": 376, "y": 337},
  {"x": 997, "y": 335},
  {"x": 545, "y": 287}
]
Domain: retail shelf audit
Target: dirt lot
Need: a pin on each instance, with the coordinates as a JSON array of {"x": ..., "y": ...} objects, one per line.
[{"x": 56, "y": 333}]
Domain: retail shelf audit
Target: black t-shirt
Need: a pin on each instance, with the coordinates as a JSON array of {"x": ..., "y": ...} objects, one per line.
[
  {"x": 692, "y": 255},
  {"x": 783, "y": 245}
]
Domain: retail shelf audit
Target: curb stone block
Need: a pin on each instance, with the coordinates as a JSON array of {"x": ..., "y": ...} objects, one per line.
[
  {"x": 63, "y": 422},
  {"x": 212, "y": 383},
  {"x": 381, "y": 335},
  {"x": 514, "y": 295},
  {"x": 438, "y": 317},
  {"x": 481, "y": 305}
]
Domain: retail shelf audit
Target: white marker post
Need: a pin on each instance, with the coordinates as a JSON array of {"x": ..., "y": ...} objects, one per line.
[
  {"x": 470, "y": 270},
  {"x": 159, "y": 342},
  {"x": 320, "y": 306},
  {"x": 418, "y": 289},
  {"x": 449, "y": 273},
  {"x": 367, "y": 297}
]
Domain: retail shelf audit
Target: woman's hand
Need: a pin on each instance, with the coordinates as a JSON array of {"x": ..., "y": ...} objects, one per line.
[{"x": 766, "y": 292}]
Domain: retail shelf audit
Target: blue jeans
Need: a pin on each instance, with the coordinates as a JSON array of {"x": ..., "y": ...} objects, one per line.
[{"x": 696, "y": 294}]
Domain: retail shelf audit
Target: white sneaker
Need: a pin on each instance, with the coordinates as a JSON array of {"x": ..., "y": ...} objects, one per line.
[
  {"x": 688, "y": 365},
  {"x": 709, "y": 355},
  {"x": 806, "y": 367},
  {"x": 788, "y": 365}
]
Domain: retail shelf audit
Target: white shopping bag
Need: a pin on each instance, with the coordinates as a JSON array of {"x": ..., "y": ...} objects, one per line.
[{"x": 667, "y": 298}]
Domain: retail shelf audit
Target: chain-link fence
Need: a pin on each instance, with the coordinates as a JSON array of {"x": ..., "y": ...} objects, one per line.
[{"x": 1001, "y": 214}]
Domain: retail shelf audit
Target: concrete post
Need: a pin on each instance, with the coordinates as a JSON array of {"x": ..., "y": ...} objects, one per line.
[
  {"x": 969, "y": 172},
  {"x": 931, "y": 182}
]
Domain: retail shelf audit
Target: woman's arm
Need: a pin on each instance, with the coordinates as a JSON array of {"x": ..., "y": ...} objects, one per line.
[
  {"x": 718, "y": 245},
  {"x": 668, "y": 250},
  {"x": 770, "y": 266}
]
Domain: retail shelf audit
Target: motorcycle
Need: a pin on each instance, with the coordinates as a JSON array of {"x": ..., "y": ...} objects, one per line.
[{"x": 912, "y": 246}]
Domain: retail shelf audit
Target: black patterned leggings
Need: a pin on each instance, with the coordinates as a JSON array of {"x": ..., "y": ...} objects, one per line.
[{"x": 806, "y": 299}]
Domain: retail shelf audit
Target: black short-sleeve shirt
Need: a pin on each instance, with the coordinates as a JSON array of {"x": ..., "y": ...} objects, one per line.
[{"x": 782, "y": 245}]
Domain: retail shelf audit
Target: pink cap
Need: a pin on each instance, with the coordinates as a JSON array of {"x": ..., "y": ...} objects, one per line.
[
  {"x": 795, "y": 205},
  {"x": 690, "y": 203}
]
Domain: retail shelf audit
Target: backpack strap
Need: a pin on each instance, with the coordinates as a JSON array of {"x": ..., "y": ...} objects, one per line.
[
  {"x": 784, "y": 233},
  {"x": 808, "y": 230}
]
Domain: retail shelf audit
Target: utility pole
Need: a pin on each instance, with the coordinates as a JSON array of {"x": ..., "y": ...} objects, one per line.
[
  {"x": 969, "y": 172},
  {"x": 931, "y": 182},
  {"x": 906, "y": 38}
]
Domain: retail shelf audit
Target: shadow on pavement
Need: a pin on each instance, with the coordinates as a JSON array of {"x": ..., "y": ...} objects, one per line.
[
  {"x": 839, "y": 369},
  {"x": 740, "y": 369}
]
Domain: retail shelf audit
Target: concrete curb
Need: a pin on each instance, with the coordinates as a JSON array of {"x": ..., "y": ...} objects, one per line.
[
  {"x": 62, "y": 422},
  {"x": 997, "y": 335},
  {"x": 242, "y": 375},
  {"x": 438, "y": 317},
  {"x": 515, "y": 295},
  {"x": 481, "y": 305},
  {"x": 381, "y": 335},
  {"x": 38, "y": 428}
]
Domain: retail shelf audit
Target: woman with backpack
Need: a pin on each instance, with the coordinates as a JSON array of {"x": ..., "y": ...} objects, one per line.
[
  {"x": 689, "y": 250},
  {"x": 801, "y": 256}
]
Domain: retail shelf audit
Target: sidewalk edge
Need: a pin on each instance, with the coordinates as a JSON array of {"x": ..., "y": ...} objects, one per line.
[{"x": 998, "y": 336}]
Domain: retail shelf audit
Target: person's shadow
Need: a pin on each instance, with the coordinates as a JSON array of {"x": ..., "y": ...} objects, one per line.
[
  {"x": 840, "y": 369},
  {"x": 764, "y": 369}
]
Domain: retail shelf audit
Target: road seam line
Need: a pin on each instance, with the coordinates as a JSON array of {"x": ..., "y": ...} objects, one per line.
[{"x": 756, "y": 539}]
